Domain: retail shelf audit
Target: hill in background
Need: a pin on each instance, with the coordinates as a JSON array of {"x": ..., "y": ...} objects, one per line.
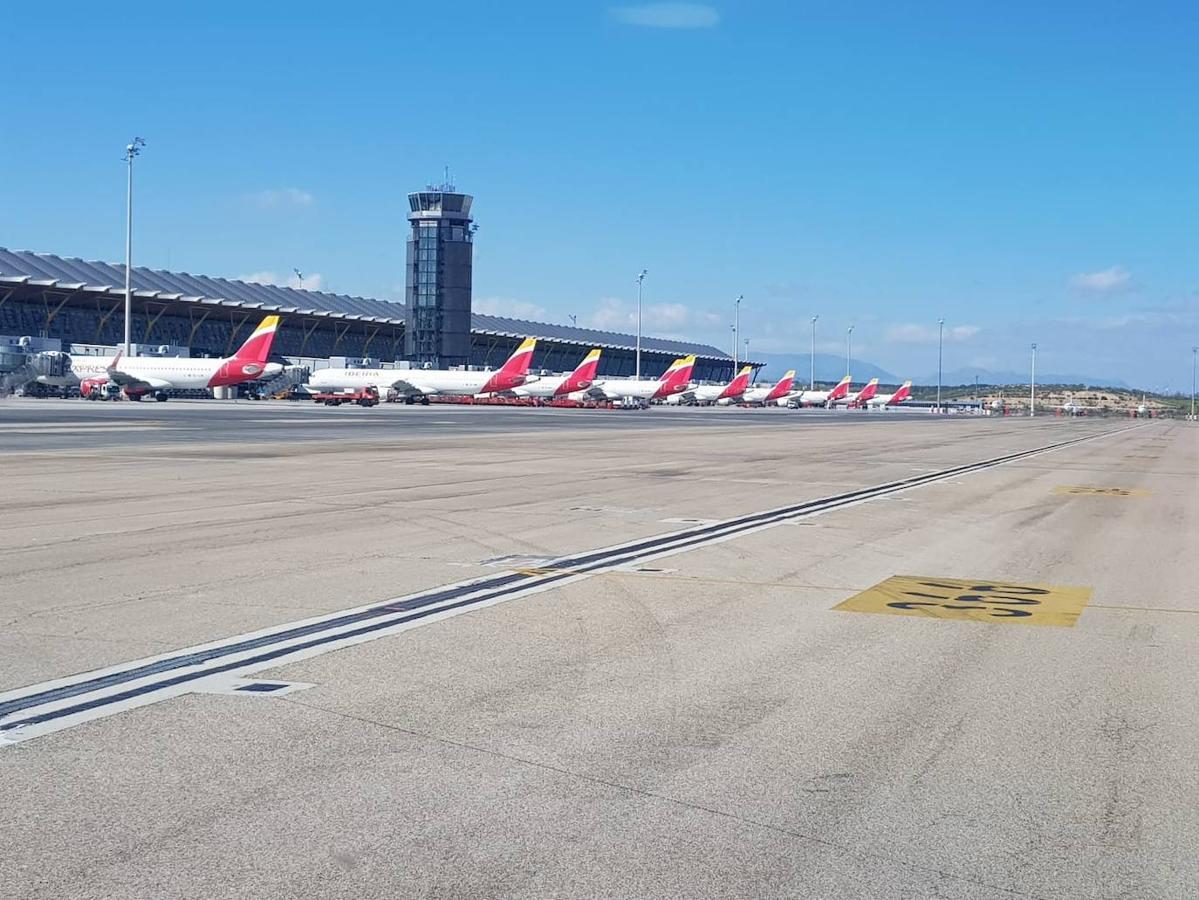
[
  {"x": 985, "y": 376},
  {"x": 829, "y": 367}
]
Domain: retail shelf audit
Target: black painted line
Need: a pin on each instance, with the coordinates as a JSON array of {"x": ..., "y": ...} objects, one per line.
[{"x": 495, "y": 588}]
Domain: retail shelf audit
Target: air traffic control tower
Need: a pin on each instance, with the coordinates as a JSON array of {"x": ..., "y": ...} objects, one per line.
[{"x": 437, "y": 286}]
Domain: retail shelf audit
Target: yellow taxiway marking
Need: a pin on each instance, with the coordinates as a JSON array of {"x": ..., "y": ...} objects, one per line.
[
  {"x": 1089, "y": 490},
  {"x": 977, "y": 600}
]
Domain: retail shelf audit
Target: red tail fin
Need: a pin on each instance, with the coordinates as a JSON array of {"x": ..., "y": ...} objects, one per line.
[
  {"x": 257, "y": 347},
  {"x": 905, "y": 391},
  {"x": 250, "y": 359},
  {"x": 783, "y": 388},
  {"x": 868, "y": 391},
  {"x": 840, "y": 391},
  {"x": 676, "y": 378},
  {"x": 737, "y": 386},
  {"x": 582, "y": 376},
  {"x": 512, "y": 373}
]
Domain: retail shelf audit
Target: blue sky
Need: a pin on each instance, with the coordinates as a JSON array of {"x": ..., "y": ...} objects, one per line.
[{"x": 1026, "y": 170}]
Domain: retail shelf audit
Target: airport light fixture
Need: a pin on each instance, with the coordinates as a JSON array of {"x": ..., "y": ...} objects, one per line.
[
  {"x": 131, "y": 150},
  {"x": 812, "y": 386},
  {"x": 848, "y": 349},
  {"x": 640, "y": 278},
  {"x": 1194, "y": 370},
  {"x": 1032, "y": 384},
  {"x": 940, "y": 345}
]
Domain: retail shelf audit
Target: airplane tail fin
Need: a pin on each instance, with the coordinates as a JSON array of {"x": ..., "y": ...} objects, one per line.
[
  {"x": 257, "y": 347},
  {"x": 517, "y": 365},
  {"x": 905, "y": 391},
  {"x": 583, "y": 375},
  {"x": 677, "y": 376},
  {"x": 783, "y": 388},
  {"x": 737, "y": 386},
  {"x": 841, "y": 390},
  {"x": 512, "y": 373},
  {"x": 868, "y": 391}
]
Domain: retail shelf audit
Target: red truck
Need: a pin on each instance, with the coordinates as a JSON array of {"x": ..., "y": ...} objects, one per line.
[{"x": 367, "y": 396}]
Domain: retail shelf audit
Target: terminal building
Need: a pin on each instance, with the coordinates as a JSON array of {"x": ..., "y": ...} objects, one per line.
[
  {"x": 70, "y": 304},
  {"x": 62, "y": 302}
]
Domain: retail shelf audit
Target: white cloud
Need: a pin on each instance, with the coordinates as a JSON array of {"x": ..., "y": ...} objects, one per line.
[
  {"x": 504, "y": 306},
  {"x": 1105, "y": 281},
  {"x": 668, "y": 15},
  {"x": 283, "y": 198},
  {"x": 912, "y": 333},
  {"x": 307, "y": 283},
  {"x": 660, "y": 319}
]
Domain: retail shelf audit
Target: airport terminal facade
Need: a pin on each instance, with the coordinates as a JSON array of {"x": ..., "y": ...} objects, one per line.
[{"x": 68, "y": 303}]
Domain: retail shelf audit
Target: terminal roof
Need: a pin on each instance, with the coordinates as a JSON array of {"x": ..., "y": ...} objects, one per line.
[{"x": 24, "y": 267}]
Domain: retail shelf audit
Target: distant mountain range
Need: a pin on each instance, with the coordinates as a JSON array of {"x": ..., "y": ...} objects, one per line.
[
  {"x": 986, "y": 376},
  {"x": 830, "y": 367}
]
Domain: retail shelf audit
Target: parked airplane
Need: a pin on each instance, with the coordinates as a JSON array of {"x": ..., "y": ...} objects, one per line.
[
  {"x": 142, "y": 375},
  {"x": 903, "y": 393},
  {"x": 719, "y": 393},
  {"x": 766, "y": 394},
  {"x": 862, "y": 397},
  {"x": 421, "y": 384},
  {"x": 561, "y": 385},
  {"x": 817, "y": 398},
  {"x": 674, "y": 380}
]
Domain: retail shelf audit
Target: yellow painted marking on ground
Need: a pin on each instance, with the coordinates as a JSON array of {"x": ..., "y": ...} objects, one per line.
[
  {"x": 532, "y": 571},
  {"x": 1086, "y": 489},
  {"x": 976, "y": 600}
]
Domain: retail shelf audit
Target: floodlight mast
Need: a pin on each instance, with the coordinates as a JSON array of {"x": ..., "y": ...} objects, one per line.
[
  {"x": 640, "y": 278},
  {"x": 132, "y": 149}
]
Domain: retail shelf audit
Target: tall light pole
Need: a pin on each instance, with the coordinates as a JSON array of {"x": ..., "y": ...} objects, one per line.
[
  {"x": 940, "y": 345},
  {"x": 640, "y": 278},
  {"x": 746, "y": 359},
  {"x": 736, "y": 330},
  {"x": 131, "y": 150},
  {"x": 1194, "y": 369},
  {"x": 812, "y": 386},
  {"x": 1032, "y": 384},
  {"x": 848, "y": 348}
]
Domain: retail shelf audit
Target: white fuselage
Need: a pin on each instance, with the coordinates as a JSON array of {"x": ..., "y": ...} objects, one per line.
[
  {"x": 620, "y": 389},
  {"x": 806, "y": 398},
  {"x": 707, "y": 393},
  {"x": 162, "y": 373},
  {"x": 757, "y": 395},
  {"x": 407, "y": 381},
  {"x": 543, "y": 387}
]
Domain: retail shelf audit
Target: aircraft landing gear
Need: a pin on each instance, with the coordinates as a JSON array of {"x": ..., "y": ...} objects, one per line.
[
  {"x": 424, "y": 401},
  {"x": 161, "y": 397}
]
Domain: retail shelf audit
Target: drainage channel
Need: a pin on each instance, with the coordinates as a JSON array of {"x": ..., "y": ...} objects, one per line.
[{"x": 43, "y": 708}]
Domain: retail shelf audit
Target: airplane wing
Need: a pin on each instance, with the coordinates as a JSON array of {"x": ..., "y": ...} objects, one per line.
[
  {"x": 124, "y": 379},
  {"x": 406, "y": 386},
  {"x": 597, "y": 391}
]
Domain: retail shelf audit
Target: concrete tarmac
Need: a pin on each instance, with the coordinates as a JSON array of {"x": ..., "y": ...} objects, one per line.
[
  {"x": 702, "y": 724},
  {"x": 33, "y": 425}
]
